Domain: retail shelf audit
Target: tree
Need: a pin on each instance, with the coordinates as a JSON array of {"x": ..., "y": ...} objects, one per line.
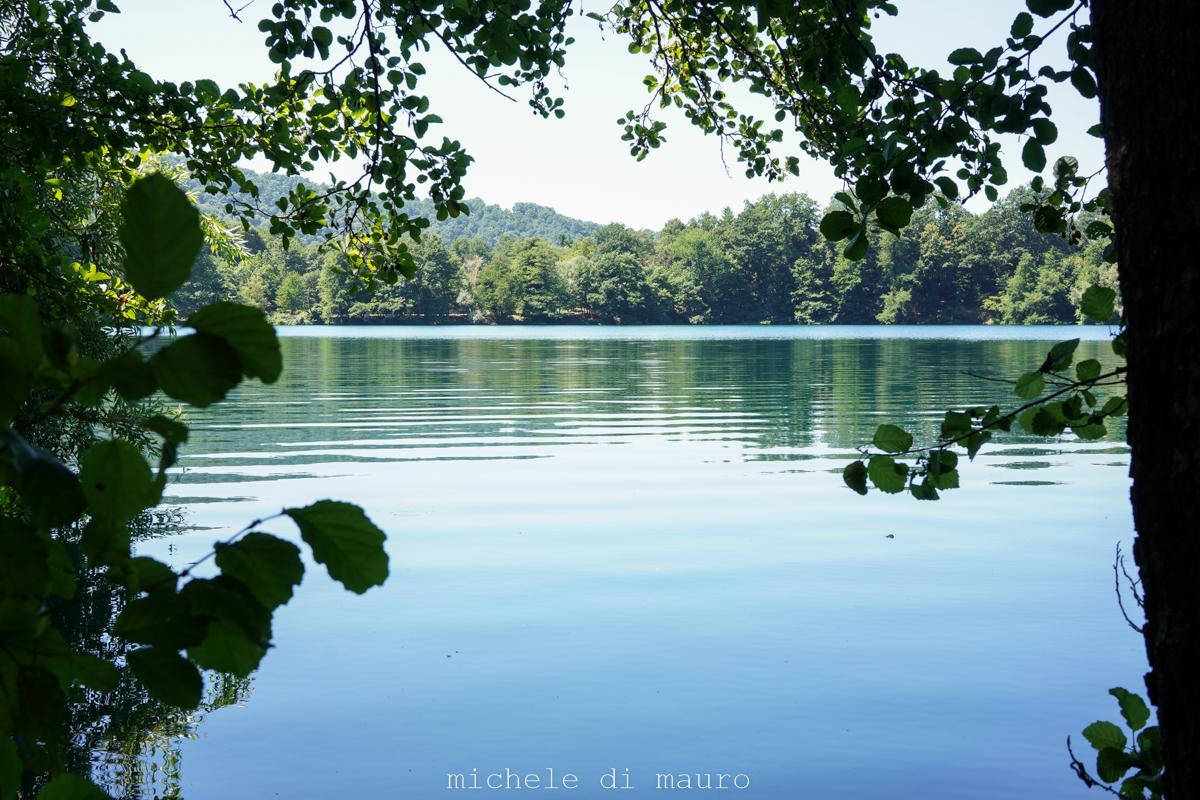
[
  {"x": 292, "y": 296},
  {"x": 900, "y": 135},
  {"x": 1145, "y": 59},
  {"x": 613, "y": 287}
]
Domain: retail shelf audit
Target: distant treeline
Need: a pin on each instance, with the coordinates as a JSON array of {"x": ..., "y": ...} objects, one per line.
[{"x": 766, "y": 263}]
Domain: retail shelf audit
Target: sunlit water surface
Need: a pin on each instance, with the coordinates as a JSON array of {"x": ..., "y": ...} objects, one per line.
[{"x": 631, "y": 549}]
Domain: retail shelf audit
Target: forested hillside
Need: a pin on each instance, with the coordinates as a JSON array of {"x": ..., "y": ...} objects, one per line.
[
  {"x": 487, "y": 222},
  {"x": 765, "y": 263}
]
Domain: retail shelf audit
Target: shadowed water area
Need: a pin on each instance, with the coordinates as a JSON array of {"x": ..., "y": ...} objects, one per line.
[{"x": 631, "y": 548}]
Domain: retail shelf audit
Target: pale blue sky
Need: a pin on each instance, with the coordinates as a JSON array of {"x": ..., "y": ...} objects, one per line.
[{"x": 578, "y": 165}]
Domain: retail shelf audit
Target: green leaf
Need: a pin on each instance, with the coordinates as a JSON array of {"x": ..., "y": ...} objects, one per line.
[
  {"x": 269, "y": 566},
  {"x": 116, "y": 480},
  {"x": 891, "y": 439},
  {"x": 199, "y": 369},
  {"x": 1112, "y": 764},
  {"x": 1030, "y": 385},
  {"x": 345, "y": 541},
  {"x": 1120, "y": 344},
  {"x": 19, "y": 317},
  {"x": 886, "y": 474},
  {"x": 239, "y": 626},
  {"x": 1090, "y": 432},
  {"x": 105, "y": 541},
  {"x": 965, "y": 55},
  {"x": 160, "y": 232},
  {"x": 1084, "y": 83},
  {"x": 163, "y": 619},
  {"x": 167, "y": 676},
  {"x": 1133, "y": 788},
  {"x": 976, "y": 441},
  {"x": 71, "y": 787},
  {"x": 955, "y": 424},
  {"x": 837, "y": 225},
  {"x": 1046, "y": 422},
  {"x": 1098, "y": 303},
  {"x": 1022, "y": 26},
  {"x": 247, "y": 331},
  {"x": 1045, "y": 131},
  {"x": 1113, "y": 407},
  {"x": 1033, "y": 156},
  {"x": 14, "y": 389},
  {"x": 925, "y": 490},
  {"x": 145, "y": 574},
  {"x": 1133, "y": 708},
  {"x": 1104, "y": 734},
  {"x": 24, "y": 558},
  {"x": 51, "y": 493},
  {"x": 894, "y": 212},
  {"x": 871, "y": 189},
  {"x": 855, "y": 476},
  {"x": 94, "y": 673},
  {"x": 171, "y": 430},
  {"x": 129, "y": 375},
  {"x": 1087, "y": 370},
  {"x": 1060, "y": 356},
  {"x": 947, "y": 479},
  {"x": 948, "y": 186},
  {"x": 1149, "y": 742},
  {"x": 856, "y": 247},
  {"x": 1046, "y": 8},
  {"x": 227, "y": 648},
  {"x": 10, "y": 768}
]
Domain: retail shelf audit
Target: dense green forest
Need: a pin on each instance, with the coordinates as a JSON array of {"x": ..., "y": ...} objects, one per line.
[{"x": 767, "y": 262}]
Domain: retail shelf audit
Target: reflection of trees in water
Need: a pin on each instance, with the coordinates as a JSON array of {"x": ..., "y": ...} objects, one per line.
[
  {"x": 125, "y": 739},
  {"x": 768, "y": 393}
]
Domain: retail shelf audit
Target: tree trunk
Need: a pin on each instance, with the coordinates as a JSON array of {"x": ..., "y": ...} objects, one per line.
[{"x": 1148, "y": 64}]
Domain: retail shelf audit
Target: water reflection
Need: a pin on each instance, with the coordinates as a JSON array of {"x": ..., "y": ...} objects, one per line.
[
  {"x": 128, "y": 741},
  {"x": 399, "y": 400}
]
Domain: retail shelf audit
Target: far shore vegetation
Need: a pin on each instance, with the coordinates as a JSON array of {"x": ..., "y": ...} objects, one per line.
[{"x": 765, "y": 263}]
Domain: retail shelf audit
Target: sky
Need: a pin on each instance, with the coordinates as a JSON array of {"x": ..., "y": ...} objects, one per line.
[{"x": 578, "y": 165}]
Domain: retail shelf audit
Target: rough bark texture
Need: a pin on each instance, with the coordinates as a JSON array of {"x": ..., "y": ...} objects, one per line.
[{"x": 1148, "y": 65}]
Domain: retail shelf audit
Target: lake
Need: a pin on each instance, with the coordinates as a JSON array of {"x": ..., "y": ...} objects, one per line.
[{"x": 631, "y": 549}]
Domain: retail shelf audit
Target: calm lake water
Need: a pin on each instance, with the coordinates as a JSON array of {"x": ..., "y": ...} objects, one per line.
[{"x": 630, "y": 548}]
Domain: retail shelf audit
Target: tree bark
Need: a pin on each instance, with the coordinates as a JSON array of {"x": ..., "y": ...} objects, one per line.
[{"x": 1148, "y": 63}]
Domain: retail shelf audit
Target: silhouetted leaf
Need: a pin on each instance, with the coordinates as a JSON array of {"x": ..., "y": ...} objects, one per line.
[
  {"x": 892, "y": 439},
  {"x": 167, "y": 676},
  {"x": 51, "y": 493},
  {"x": 269, "y": 566},
  {"x": 837, "y": 225},
  {"x": 71, "y": 787},
  {"x": 345, "y": 541},
  {"x": 886, "y": 474},
  {"x": 855, "y": 476},
  {"x": 247, "y": 331},
  {"x": 1133, "y": 708},
  {"x": 1102, "y": 734},
  {"x": 1030, "y": 385},
  {"x": 116, "y": 480},
  {"x": 1097, "y": 303},
  {"x": 160, "y": 232},
  {"x": 1087, "y": 370},
  {"x": 894, "y": 212},
  {"x": 199, "y": 369},
  {"x": 1112, "y": 763}
]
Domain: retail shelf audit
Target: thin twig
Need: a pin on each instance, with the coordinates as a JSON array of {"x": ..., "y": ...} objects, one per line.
[{"x": 1118, "y": 568}]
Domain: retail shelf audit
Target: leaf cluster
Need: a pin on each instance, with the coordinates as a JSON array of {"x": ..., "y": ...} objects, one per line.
[{"x": 181, "y": 624}]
